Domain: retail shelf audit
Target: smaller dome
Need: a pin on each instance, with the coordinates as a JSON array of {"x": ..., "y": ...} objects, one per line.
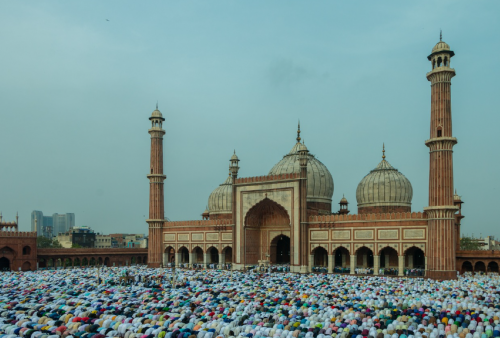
[
  {"x": 301, "y": 147},
  {"x": 456, "y": 197},
  {"x": 440, "y": 46},
  {"x": 234, "y": 157},
  {"x": 343, "y": 200},
  {"x": 220, "y": 200},
  {"x": 156, "y": 113},
  {"x": 383, "y": 187}
]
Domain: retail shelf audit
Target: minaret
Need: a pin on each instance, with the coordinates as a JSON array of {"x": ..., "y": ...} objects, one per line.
[
  {"x": 303, "y": 228},
  {"x": 233, "y": 169},
  {"x": 441, "y": 249},
  {"x": 156, "y": 204}
]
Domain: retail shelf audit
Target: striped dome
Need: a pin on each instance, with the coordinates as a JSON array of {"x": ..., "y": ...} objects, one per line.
[
  {"x": 220, "y": 200},
  {"x": 384, "y": 186},
  {"x": 319, "y": 179},
  {"x": 440, "y": 46}
]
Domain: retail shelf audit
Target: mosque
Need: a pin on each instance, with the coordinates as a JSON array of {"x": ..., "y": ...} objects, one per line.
[{"x": 285, "y": 217}]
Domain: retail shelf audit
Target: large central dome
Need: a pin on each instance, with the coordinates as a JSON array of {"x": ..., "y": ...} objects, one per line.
[{"x": 319, "y": 179}]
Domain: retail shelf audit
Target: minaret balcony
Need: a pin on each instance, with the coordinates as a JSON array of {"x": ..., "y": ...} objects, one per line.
[{"x": 441, "y": 143}]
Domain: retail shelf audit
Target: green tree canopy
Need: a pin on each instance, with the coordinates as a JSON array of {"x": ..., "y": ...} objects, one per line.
[
  {"x": 469, "y": 243},
  {"x": 44, "y": 242}
]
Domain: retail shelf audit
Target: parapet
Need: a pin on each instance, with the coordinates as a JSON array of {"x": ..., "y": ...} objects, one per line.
[
  {"x": 367, "y": 217},
  {"x": 198, "y": 223},
  {"x": 18, "y": 234},
  {"x": 258, "y": 179}
]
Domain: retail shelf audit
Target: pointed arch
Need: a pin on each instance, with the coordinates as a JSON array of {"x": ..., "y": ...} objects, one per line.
[
  {"x": 213, "y": 255},
  {"x": 388, "y": 257},
  {"x": 228, "y": 254},
  {"x": 364, "y": 257},
  {"x": 492, "y": 267},
  {"x": 414, "y": 258},
  {"x": 197, "y": 253},
  {"x": 183, "y": 254},
  {"x": 267, "y": 212},
  {"x": 320, "y": 256},
  {"x": 280, "y": 250}
]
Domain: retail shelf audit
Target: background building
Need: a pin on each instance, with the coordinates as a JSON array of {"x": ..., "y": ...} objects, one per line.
[
  {"x": 51, "y": 226},
  {"x": 128, "y": 241},
  {"x": 83, "y": 237},
  {"x": 102, "y": 241}
]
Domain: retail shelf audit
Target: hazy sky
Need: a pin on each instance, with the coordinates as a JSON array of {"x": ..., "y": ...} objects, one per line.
[{"x": 77, "y": 90}]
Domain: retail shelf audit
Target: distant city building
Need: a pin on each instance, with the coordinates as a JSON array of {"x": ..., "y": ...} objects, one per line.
[
  {"x": 487, "y": 243},
  {"x": 83, "y": 236},
  {"x": 128, "y": 241},
  {"x": 51, "y": 226},
  {"x": 102, "y": 241}
]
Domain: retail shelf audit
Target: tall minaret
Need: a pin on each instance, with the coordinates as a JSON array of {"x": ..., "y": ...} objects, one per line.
[
  {"x": 441, "y": 250},
  {"x": 156, "y": 178}
]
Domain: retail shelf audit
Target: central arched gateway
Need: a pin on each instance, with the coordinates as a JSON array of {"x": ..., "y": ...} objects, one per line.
[{"x": 267, "y": 233}]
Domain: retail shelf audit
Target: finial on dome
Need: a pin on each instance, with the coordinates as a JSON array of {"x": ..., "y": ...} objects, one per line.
[
  {"x": 383, "y": 151},
  {"x": 440, "y": 35},
  {"x": 298, "y": 133},
  {"x": 156, "y": 104}
]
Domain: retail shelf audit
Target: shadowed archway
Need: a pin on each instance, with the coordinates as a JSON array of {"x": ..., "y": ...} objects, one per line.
[
  {"x": 4, "y": 264},
  {"x": 280, "y": 250}
]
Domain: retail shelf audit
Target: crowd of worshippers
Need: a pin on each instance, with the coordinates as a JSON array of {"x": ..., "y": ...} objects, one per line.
[
  {"x": 209, "y": 303},
  {"x": 225, "y": 266}
]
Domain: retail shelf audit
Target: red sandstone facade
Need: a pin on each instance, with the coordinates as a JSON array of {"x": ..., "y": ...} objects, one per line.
[
  {"x": 17, "y": 248},
  {"x": 285, "y": 218}
]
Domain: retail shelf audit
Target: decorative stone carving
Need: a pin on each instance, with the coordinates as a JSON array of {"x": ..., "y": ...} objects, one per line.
[
  {"x": 414, "y": 234},
  {"x": 363, "y": 234},
  {"x": 341, "y": 234},
  {"x": 212, "y": 237},
  {"x": 169, "y": 237},
  {"x": 197, "y": 237},
  {"x": 227, "y": 237},
  {"x": 388, "y": 234},
  {"x": 183, "y": 237},
  {"x": 319, "y": 235}
]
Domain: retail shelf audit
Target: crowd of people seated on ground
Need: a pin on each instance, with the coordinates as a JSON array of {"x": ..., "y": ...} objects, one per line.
[
  {"x": 341, "y": 269},
  {"x": 225, "y": 266},
  {"x": 414, "y": 272},
  {"x": 364, "y": 271}
]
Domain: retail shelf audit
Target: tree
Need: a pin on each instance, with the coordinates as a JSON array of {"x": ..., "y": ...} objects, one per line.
[
  {"x": 76, "y": 246},
  {"x": 469, "y": 243},
  {"x": 44, "y": 242}
]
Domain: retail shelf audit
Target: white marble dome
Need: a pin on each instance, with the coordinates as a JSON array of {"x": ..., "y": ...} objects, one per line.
[
  {"x": 220, "y": 200},
  {"x": 384, "y": 186},
  {"x": 319, "y": 179}
]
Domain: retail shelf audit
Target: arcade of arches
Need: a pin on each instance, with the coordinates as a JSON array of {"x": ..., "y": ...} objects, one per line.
[
  {"x": 363, "y": 257},
  {"x": 59, "y": 258},
  {"x": 197, "y": 256},
  {"x": 479, "y": 266}
]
